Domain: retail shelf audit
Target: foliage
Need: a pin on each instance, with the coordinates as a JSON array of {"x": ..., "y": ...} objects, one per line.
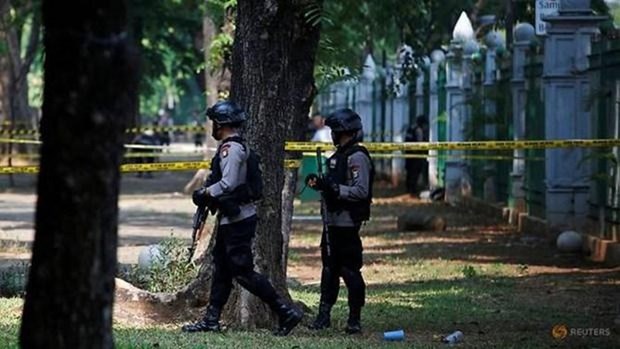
[
  {"x": 218, "y": 10},
  {"x": 353, "y": 28},
  {"x": 326, "y": 75},
  {"x": 166, "y": 33},
  {"x": 13, "y": 280},
  {"x": 220, "y": 52},
  {"x": 166, "y": 274},
  {"x": 469, "y": 272},
  {"x": 19, "y": 19}
]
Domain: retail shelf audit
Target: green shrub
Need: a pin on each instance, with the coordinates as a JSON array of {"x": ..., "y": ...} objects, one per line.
[
  {"x": 166, "y": 274},
  {"x": 469, "y": 272}
]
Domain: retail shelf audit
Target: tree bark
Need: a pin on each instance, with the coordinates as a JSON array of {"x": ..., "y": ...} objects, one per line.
[
  {"x": 90, "y": 89},
  {"x": 272, "y": 78}
]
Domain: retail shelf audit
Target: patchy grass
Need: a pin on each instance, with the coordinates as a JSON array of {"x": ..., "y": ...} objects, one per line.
[
  {"x": 479, "y": 277},
  {"x": 14, "y": 246},
  {"x": 10, "y": 312}
]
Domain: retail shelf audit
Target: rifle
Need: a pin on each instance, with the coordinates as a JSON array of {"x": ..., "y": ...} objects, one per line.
[
  {"x": 319, "y": 163},
  {"x": 200, "y": 217}
]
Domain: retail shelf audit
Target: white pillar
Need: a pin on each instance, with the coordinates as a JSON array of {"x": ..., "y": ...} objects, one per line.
[
  {"x": 437, "y": 58},
  {"x": 566, "y": 89},
  {"x": 524, "y": 33}
]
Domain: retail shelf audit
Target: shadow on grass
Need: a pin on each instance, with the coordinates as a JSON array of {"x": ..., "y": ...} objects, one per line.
[{"x": 493, "y": 312}]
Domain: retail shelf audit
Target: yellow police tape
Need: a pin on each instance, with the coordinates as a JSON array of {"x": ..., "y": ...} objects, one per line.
[
  {"x": 127, "y": 155},
  {"x": 156, "y": 167},
  {"x": 187, "y": 155},
  {"x": 388, "y": 147},
  {"x": 19, "y": 141},
  {"x": 473, "y": 145},
  {"x": 181, "y": 128},
  {"x": 33, "y": 141},
  {"x": 373, "y": 147},
  {"x": 449, "y": 156}
]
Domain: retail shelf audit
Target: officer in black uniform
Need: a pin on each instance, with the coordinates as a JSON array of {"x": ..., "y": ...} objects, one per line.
[
  {"x": 347, "y": 194},
  {"x": 227, "y": 188}
]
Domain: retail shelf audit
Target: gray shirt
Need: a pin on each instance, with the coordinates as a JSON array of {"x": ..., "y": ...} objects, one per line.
[
  {"x": 356, "y": 188},
  {"x": 234, "y": 173}
]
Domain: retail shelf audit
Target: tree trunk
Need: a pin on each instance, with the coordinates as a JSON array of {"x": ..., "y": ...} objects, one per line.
[
  {"x": 20, "y": 113},
  {"x": 5, "y": 75},
  {"x": 211, "y": 83},
  {"x": 90, "y": 88},
  {"x": 272, "y": 78}
]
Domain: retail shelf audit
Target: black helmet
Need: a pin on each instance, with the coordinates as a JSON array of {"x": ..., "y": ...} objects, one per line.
[
  {"x": 226, "y": 113},
  {"x": 344, "y": 120}
]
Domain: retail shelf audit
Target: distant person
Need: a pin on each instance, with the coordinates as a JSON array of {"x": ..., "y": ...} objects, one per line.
[
  {"x": 165, "y": 128},
  {"x": 198, "y": 134},
  {"x": 147, "y": 138},
  {"x": 322, "y": 132},
  {"x": 418, "y": 165}
]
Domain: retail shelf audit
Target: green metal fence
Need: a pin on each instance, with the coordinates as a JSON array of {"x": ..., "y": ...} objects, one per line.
[
  {"x": 534, "y": 183},
  {"x": 604, "y": 203},
  {"x": 504, "y": 132}
]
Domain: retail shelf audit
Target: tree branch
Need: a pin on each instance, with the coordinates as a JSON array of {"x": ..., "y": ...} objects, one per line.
[{"x": 31, "y": 49}]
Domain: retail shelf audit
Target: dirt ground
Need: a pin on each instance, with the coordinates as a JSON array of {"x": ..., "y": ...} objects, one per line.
[{"x": 151, "y": 209}]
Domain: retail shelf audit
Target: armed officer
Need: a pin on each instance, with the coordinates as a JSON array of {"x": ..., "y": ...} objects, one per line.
[
  {"x": 346, "y": 193},
  {"x": 230, "y": 188}
]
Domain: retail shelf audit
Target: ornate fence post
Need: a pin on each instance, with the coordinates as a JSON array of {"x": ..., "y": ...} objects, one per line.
[
  {"x": 437, "y": 59},
  {"x": 456, "y": 169},
  {"x": 524, "y": 33},
  {"x": 493, "y": 42}
]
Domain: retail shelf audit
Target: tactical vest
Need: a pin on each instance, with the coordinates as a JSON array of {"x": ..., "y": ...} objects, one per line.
[
  {"x": 338, "y": 166},
  {"x": 252, "y": 190}
]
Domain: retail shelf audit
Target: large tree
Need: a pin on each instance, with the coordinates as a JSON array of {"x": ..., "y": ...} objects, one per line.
[
  {"x": 272, "y": 78},
  {"x": 90, "y": 90}
]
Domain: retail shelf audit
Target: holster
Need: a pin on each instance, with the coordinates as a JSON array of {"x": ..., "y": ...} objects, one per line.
[{"x": 228, "y": 205}]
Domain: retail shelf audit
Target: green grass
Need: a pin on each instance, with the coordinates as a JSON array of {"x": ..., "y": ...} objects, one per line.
[
  {"x": 425, "y": 309},
  {"x": 14, "y": 246},
  {"x": 428, "y": 291}
]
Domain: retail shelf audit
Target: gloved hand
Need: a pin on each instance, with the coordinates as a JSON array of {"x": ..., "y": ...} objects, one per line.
[
  {"x": 312, "y": 180},
  {"x": 330, "y": 187},
  {"x": 201, "y": 197},
  {"x": 324, "y": 184}
]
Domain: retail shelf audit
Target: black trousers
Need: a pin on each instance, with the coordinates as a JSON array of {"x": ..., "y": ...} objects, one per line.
[
  {"x": 233, "y": 259},
  {"x": 342, "y": 257},
  {"x": 415, "y": 168}
]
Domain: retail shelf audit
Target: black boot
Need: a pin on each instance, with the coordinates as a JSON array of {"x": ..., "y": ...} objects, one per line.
[
  {"x": 323, "y": 318},
  {"x": 353, "y": 323},
  {"x": 209, "y": 323},
  {"x": 289, "y": 316}
]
